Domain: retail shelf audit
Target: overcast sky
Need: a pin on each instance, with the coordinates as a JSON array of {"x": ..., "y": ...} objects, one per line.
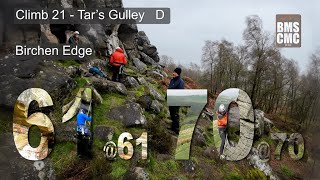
[{"x": 193, "y": 22}]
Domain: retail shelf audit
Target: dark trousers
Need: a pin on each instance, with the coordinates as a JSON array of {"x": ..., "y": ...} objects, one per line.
[
  {"x": 116, "y": 77},
  {"x": 223, "y": 134},
  {"x": 174, "y": 114}
]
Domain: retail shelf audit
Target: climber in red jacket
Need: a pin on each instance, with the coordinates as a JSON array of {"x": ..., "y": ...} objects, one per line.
[{"x": 117, "y": 61}]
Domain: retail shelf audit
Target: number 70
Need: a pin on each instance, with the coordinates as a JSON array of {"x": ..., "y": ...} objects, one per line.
[{"x": 196, "y": 100}]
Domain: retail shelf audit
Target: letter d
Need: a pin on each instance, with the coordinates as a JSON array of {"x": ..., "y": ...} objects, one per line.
[{"x": 158, "y": 14}]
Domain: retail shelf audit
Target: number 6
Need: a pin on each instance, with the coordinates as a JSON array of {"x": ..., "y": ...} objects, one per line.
[{"x": 22, "y": 124}]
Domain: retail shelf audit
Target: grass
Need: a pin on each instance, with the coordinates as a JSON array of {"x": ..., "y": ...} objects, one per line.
[
  {"x": 63, "y": 155},
  {"x": 163, "y": 169},
  {"x": 286, "y": 171},
  {"x": 34, "y": 136},
  {"x": 119, "y": 168}
]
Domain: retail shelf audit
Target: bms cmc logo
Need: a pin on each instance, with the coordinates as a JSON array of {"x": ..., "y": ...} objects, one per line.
[{"x": 288, "y": 31}]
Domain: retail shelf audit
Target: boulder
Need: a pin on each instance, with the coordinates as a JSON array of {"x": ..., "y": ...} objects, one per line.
[
  {"x": 156, "y": 75},
  {"x": 156, "y": 106},
  {"x": 130, "y": 114},
  {"x": 20, "y": 73},
  {"x": 66, "y": 131},
  {"x": 142, "y": 81},
  {"x": 147, "y": 59},
  {"x": 149, "y": 49},
  {"x": 156, "y": 95},
  {"x": 139, "y": 65},
  {"x": 13, "y": 166},
  {"x": 145, "y": 102},
  {"x": 47, "y": 36},
  {"x": 131, "y": 82},
  {"x": 137, "y": 173},
  {"x": 101, "y": 64},
  {"x": 97, "y": 98},
  {"x": 73, "y": 71},
  {"x": 262, "y": 124},
  {"x": 103, "y": 133},
  {"x": 256, "y": 162},
  {"x": 106, "y": 86}
]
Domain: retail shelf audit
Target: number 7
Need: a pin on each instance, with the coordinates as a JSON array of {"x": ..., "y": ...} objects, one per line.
[{"x": 196, "y": 100}]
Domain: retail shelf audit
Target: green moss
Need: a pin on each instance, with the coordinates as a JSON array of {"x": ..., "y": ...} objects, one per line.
[
  {"x": 67, "y": 63},
  {"x": 286, "y": 171},
  {"x": 34, "y": 136},
  {"x": 140, "y": 91},
  {"x": 164, "y": 169},
  {"x": 234, "y": 176},
  {"x": 63, "y": 155},
  {"x": 119, "y": 168},
  {"x": 100, "y": 111},
  {"x": 254, "y": 174}
]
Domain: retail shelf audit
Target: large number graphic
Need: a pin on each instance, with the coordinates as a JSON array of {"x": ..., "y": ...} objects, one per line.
[
  {"x": 22, "y": 124},
  {"x": 196, "y": 100},
  {"x": 243, "y": 101}
]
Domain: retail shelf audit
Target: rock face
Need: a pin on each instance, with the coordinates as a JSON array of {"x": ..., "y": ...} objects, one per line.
[
  {"x": 139, "y": 65},
  {"x": 256, "y": 162},
  {"x": 106, "y": 86},
  {"x": 155, "y": 94},
  {"x": 103, "y": 133},
  {"x": 147, "y": 59},
  {"x": 131, "y": 82},
  {"x": 145, "y": 102},
  {"x": 20, "y": 73},
  {"x": 129, "y": 114},
  {"x": 65, "y": 132},
  {"x": 155, "y": 75},
  {"x": 156, "y": 106},
  {"x": 262, "y": 125},
  {"x": 13, "y": 166}
]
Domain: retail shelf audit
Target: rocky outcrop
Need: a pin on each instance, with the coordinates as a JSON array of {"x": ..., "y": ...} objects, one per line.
[
  {"x": 131, "y": 82},
  {"x": 263, "y": 166},
  {"x": 103, "y": 133},
  {"x": 130, "y": 114},
  {"x": 139, "y": 65},
  {"x": 155, "y": 94},
  {"x": 106, "y": 86},
  {"x": 20, "y": 73},
  {"x": 262, "y": 124},
  {"x": 13, "y": 166}
]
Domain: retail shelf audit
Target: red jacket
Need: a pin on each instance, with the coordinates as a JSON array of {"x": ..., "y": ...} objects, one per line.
[
  {"x": 118, "y": 58},
  {"x": 222, "y": 123}
]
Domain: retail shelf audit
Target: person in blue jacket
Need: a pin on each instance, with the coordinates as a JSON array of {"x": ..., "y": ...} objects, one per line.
[
  {"x": 81, "y": 122},
  {"x": 175, "y": 83}
]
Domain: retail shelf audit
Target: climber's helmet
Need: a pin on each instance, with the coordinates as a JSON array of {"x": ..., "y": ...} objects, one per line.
[{"x": 222, "y": 109}]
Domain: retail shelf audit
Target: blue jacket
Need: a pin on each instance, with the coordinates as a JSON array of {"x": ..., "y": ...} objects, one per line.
[
  {"x": 82, "y": 118},
  {"x": 176, "y": 83}
]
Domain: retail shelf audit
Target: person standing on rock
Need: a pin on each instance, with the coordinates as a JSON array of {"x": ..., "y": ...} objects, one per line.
[
  {"x": 117, "y": 61},
  {"x": 175, "y": 83},
  {"x": 222, "y": 127},
  {"x": 74, "y": 40}
]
